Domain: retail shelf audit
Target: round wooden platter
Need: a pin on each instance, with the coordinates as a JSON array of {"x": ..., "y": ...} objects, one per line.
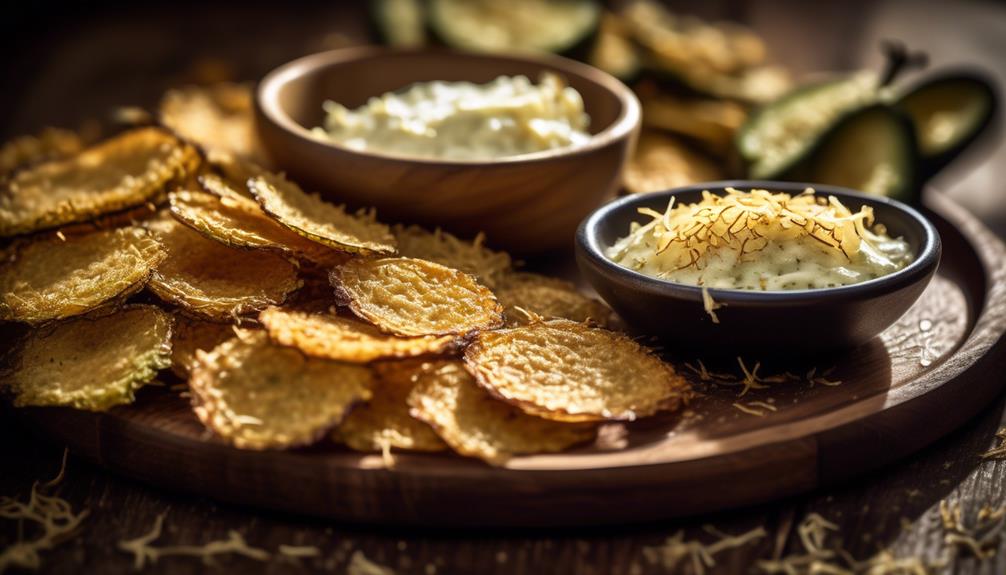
[{"x": 936, "y": 368}]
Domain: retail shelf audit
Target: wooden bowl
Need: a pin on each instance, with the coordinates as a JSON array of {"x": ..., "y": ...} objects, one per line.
[
  {"x": 526, "y": 204},
  {"x": 774, "y": 322}
]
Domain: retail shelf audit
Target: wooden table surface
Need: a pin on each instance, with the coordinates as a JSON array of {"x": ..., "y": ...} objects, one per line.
[{"x": 896, "y": 508}]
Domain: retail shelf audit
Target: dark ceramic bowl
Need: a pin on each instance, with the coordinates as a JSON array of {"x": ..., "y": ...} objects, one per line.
[{"x": 809, "y": 320}]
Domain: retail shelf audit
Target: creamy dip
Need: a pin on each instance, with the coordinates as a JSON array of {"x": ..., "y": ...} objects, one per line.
[
  {"x": 463, "y": 121},
  {"x": 760, "y": 240}
]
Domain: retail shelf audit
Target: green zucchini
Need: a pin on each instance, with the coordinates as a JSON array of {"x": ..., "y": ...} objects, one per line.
[
  {"x": 872, "y": 149},
  {"x": 566, "y": 27},
  {"x": 950, "y": 112},
  {"x": 778, "y": 136},
  {"x": 399, "y": 22}
]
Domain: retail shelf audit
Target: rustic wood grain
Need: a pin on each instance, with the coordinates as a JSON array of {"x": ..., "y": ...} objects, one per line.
[{"x": 891, "y": 401}]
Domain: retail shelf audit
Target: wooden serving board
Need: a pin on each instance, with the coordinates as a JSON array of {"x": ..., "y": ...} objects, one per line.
[{"x": 937, "y": 367}]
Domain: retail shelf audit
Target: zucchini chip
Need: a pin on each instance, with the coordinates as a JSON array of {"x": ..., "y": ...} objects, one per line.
[
  {"x": 92, "y": 362},
  {"x": 119, "y": 173},
  {"x": 475, "y": 424},
  {"x": 49, "y": 144},
  {"x": 192, "y": 334},
  {"x": 412, "y": 297},
  {"x": 559, "y": 26},
  {"x": 239, "y": 222},
  {"x": 211, "y": 280},
  {"x": 56, "y": 278},
  {"x": 567, "y": 371},
  {"x": 548, "y": 298},
  {"x": 218, "y": 118},
  {"x": 384, "y": 422},
  {"x": 320, "y": 221},
  {"x": 662, "y": 162},
  {"x": 471, "y": 257},
  {"x": 257, "y": 395},
  {"x": 332, "y": 337}
]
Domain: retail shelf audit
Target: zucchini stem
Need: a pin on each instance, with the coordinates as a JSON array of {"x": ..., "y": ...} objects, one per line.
[{"x": 899, "y": 59}]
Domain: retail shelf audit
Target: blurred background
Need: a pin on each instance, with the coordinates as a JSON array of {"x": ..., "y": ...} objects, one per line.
[{"x": 66, "y": 63}]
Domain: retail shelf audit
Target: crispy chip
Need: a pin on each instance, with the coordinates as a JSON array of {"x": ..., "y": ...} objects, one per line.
[
  {"x": 320, "y": 221},
  {"x": 212, "y": 280},
  {"x": 192, "y": 334},
  {"x": 662, "y": 162},
  {"x": 237, "y": 171},
  {"x": 475, "y": 424},
  {"x": 49, "y": 144},
  {"x": 549, "y": 298},
  {"x": 257, "y": 395},
  {"x": 217, "y": 117},
  {"x": 119, "y": 173},
  {"x": 237, "y": 221},
  {"x": 92, "y": 362},
  {"x": 56, "y": 278},
  {"x": 565, "y": 370},
  {"x": 406, "y": 296},
  {"x": 471, "y": 257},
  {"x": 384, "y": 421},
  {"x": 332, "y": 337}
]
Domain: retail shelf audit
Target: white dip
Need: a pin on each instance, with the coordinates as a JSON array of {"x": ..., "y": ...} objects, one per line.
[{"x": 463, "y": 121}]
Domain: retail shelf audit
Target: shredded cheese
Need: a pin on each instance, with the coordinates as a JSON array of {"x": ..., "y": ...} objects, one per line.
[
  {"x": 143, "y": 552},
  {"x": 54, "y": 515},
  {"x": 999, "y": 451},
  {"x": 710, "y": 304},
  {"x": 760, "y": 240},
  {"x": 676, "y": 549}
]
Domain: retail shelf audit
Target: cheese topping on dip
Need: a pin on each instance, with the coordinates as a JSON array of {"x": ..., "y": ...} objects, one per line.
[
  {"x": 760, "y": 240},
  {"x": 463, "y": 121}
]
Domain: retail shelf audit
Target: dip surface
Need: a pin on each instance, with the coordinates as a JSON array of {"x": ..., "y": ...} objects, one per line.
[
  {"x": 760, "y": 240},
  {"x": 463, "y": 121}
]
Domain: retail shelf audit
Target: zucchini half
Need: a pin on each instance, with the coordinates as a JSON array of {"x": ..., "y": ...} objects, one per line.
[
  {"x": 950, "y": 112},
  {"x": 872, "y": 149},
  {"x": 399, "y": 22},
  {"x": 779, "y": 135},
  {"x": 566, "y": 27}
]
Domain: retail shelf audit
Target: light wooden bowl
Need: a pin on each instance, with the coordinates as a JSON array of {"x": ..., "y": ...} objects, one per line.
[{"x": 525, "y": 204}]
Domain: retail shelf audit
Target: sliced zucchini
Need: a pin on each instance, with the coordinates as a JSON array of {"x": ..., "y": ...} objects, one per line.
[
  {"x": 872, "y": 149},
  {"x": 399, "y": 22},
  {"x": 565, "y": 27},
  {"x": 950, "y": 112},
  {"x": 778, "y": 136}
]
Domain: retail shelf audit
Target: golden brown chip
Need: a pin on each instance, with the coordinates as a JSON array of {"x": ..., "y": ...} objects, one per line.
[
  {"x": 217, "y": 117},
  {"x": 91, "y": 362},
  {"x": 320, "y": 221},
  {"x": 565, "y": 370},
  {"x": 49, "y": 144},
  {"x": 236, "y": 171},
  {"x": 406, "y": 296},
  {"x": 332, "y": 337},
  {"x": 662, "y": 162},
  {"x": 475, "y": 424},
  {"x": 116, "y": 174},
  {"x": 709, "y": 121},
  {"x": 239, "y": 222},
  {"x": 257, "y": 395},
  {"x": 548, "y": 298},
  {"x": 59, "y": 277},
  {"x": 192, "y": 334},
  {"x": 471, "y": 257},
  {"x": 214, "y": 281},
  {"x": 384, "y": 422}
]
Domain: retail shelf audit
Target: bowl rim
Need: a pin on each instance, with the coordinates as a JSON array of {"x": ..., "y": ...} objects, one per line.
[
  {"x": 267, "y": 101},
  {"x": 588, "y": 248}
]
